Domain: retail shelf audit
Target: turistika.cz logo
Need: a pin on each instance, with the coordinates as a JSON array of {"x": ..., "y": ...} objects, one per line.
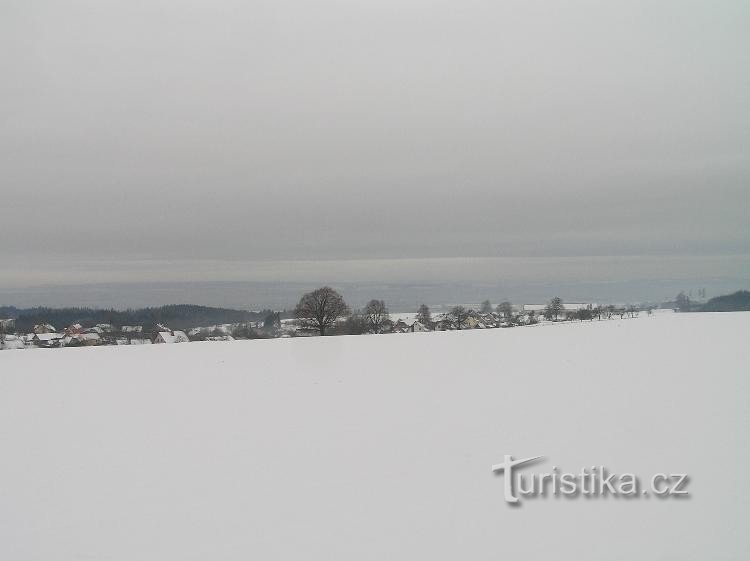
[{"x": 595, "y": 481}]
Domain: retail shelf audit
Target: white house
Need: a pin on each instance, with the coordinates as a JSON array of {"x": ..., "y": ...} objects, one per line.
[
  {"x": 12, "y": 342},
  {"x": 171, "y": 337},
  {"x": 47, "y": 339}
]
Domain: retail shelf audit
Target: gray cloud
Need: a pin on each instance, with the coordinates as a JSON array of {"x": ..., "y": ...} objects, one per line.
[{"x": 355, "y": 130}]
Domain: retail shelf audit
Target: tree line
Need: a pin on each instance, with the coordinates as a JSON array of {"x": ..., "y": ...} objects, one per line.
[
  {"x": 179, "y": 316},
  {"x": 324, "y": 311}
]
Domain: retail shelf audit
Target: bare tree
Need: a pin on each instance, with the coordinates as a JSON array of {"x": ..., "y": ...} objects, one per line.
[
  {"x": 376, "y": 314},
  {"x": 554, "y": 309},
  {"x": 486, "y": 307},
  {"x": 458, "y": 316},
  {"x": 424, "y": 316},
  {"x": 320, "y": 309},
  {"x": 355, "y": 324},
  {"x": 272, "y": 321},
  {"x": 505, "y": 310},
  {"x": 683, "y": 302},
  {"x": 582, "y": 314}
]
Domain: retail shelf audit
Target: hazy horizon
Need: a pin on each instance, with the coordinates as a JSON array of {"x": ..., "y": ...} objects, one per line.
[{"x": 403, "y": 284}]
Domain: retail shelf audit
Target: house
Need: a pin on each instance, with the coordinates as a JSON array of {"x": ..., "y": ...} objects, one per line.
[
  {"x": 212, "y": 330},
  {"x": 171, "y": 337},
  {"x": 401, "y": 327},
  {"x": 490, "y": 320},
  {"x": 47, "y": 340},
  {"x": 44, "y": 328},
  {"x": 82, "y": 340},
  {"x": 74, "y": 329},
  {"x": 444, "y": 325},
  {"x": 11, "y": 342},
  {"x": 7, "y": 325},
  {"x": 418, "y": 327}
]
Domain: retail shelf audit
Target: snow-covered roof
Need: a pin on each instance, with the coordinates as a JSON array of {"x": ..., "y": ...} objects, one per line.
[
  {"x": 48, "y": 336},
  {"x": 173, "y": 337},
  {"x": 12, "y": 343}
]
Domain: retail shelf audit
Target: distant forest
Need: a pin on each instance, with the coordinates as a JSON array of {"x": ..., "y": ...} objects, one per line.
[
  {"x": 737, "y": 302},
  {"x": 180, "y": 316}
]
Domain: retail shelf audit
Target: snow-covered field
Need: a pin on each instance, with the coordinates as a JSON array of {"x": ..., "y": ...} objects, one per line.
[{"x": 378, "y": 447}]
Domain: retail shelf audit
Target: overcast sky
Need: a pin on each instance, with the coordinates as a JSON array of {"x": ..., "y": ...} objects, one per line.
[{"x": 179, "y": 130}]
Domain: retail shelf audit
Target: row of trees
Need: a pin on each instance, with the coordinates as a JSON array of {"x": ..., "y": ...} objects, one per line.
[{"x": 321, "y": 311}]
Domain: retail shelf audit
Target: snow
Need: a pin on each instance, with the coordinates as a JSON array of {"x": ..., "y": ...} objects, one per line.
[
  {"x": 377, "y": 447},
  {"x": 48, "y": 336}
]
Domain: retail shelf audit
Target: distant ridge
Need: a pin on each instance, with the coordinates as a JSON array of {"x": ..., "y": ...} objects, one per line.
[
  {"x": 736, "y": 302},
  {"x": 176, "y": 316}
]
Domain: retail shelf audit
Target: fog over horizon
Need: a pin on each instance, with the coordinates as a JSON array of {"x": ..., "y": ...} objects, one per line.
[{"x": 527, "y": 147}]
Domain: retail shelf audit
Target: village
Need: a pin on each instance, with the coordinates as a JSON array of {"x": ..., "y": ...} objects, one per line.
[{"x": 373, "y": 319}]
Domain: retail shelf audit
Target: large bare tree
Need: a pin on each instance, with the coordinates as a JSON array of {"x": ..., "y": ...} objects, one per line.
[
  {"x": 320, "y": 309},
  {"x": 376, "y": 314}
]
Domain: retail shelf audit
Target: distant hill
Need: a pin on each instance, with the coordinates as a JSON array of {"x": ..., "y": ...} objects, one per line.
[
  {"x": 737, "y": 302},
  {"x": 8, "y": 312},
  {"x": 180, "y": 316}
]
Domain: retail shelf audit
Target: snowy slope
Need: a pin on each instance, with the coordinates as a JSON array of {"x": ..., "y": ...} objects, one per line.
[{"x": 377, "y": 447}]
